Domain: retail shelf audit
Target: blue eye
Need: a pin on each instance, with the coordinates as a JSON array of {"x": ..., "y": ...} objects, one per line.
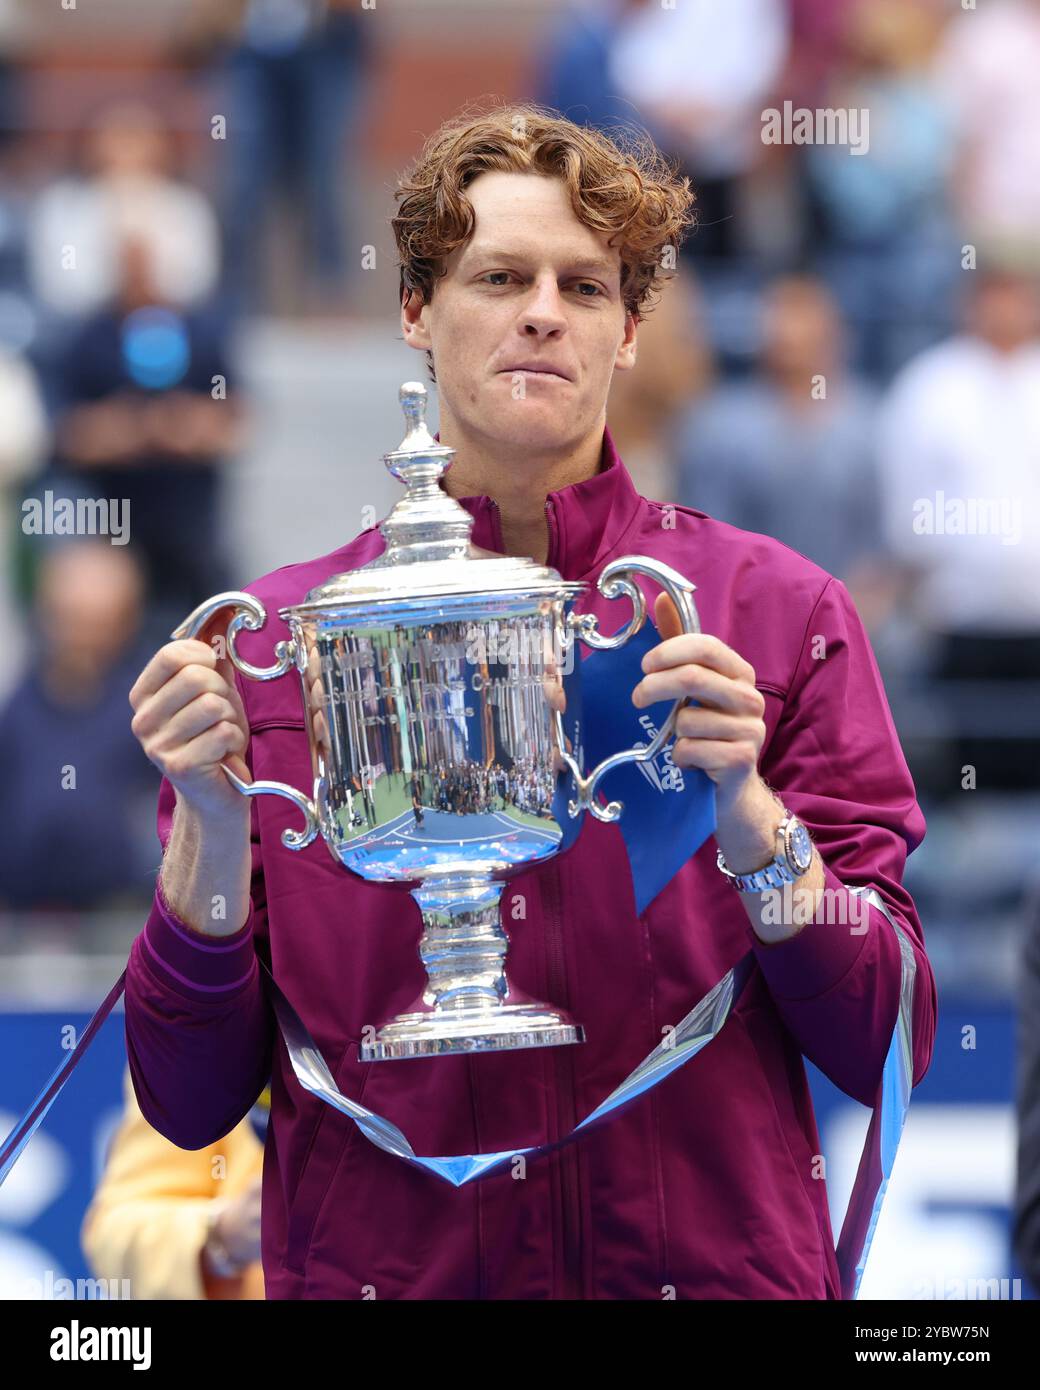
[{"x": 593, "y": 286}]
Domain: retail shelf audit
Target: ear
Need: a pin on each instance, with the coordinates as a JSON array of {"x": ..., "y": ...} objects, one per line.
[
  {"x": 625, "y": 358},
  {"x": 414, "y": 326}
]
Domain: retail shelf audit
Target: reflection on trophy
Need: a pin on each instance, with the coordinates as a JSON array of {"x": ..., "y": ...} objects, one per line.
[{"x": 436, "y": 681}]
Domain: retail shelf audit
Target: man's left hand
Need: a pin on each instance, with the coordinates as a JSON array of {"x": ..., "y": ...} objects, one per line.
[{"x": 724, "y": 732}]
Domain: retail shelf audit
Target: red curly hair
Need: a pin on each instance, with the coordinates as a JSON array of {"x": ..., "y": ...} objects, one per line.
[{"x": 618, "y": 184}]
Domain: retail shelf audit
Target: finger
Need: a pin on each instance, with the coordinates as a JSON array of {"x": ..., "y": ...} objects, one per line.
[
  {"x": 186, "y": 685},
  {"x": 696, "y": 722},
  {"x": 314, "y": 662},
  {"x": 239, "y": 766},
  {"x": 227, "y": 671},
  {"x": 554, "y": 694},
  {"x": 202, "y": 713},
  {"x": 701, "y": 683},
  {"x": 702, "y": 648},
  {"x": 211, "y": 746},
  {"x": 166, "y": 662},
  {"x": 716, "y": 757}
]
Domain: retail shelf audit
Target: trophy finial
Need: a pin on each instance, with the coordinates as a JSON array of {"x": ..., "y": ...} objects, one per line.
[
  {"x": 413, "y": 398},
  {"x": 425, "y": 524}
]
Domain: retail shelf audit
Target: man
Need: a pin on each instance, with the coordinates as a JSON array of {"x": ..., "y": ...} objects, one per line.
[
  {"x": 86, "y": 626},
  {"x": 800, "y": 418},
  {"x": 147, "y": 413},
  {"x": 959, "y": 439},
  {"x": 529, "y": 246}
]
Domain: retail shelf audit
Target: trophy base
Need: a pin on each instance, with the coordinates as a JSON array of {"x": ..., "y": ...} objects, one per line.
[{"x": 442, "y": 1032}]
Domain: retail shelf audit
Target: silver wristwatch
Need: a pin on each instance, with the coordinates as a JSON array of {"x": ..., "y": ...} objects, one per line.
[{"x": 794, "y": 852}]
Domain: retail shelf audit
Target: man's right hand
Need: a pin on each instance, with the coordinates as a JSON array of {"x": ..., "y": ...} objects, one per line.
[{"x": 189, "y": 718}]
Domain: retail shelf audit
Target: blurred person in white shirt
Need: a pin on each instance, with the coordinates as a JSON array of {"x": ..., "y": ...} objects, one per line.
[
  {"x": 988, "y": 69},
  {"x": 960, "y": 471},
  {"x": 699, "y": 75},
  {"x": 123, "y": 191},
  {"x": 23, "y": 440}
]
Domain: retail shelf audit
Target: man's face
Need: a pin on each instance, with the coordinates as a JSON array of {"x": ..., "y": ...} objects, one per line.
[{"x": 528, "y": 324}]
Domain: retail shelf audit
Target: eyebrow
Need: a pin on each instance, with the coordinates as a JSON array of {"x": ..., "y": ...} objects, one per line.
[{"x": 495, "y": 253}]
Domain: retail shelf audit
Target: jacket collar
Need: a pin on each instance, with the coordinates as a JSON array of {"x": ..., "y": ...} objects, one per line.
[{"x": 587, "y": 521}]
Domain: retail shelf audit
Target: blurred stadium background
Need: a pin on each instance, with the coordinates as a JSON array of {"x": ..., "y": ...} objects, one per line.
[{"x": 201, "y": 191}]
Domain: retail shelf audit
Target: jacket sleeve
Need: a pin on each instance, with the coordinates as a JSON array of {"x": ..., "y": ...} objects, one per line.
[
  {"x": 199, "y": 1027},
  {"x": 147, "y": 1220},
  {"x": 836, "y": 762}
]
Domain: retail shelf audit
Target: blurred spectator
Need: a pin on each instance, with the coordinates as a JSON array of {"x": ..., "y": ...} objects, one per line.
[
  {"x": 179, "y": 1223},
  {"x": 882, "y": 232},
  {"x": 75, "y": 786},
  {"x": 818, "y": 37},
  {"x": 961, "y": 425},
  {"x": 699, "y": 75},
  {"x": 293, "y": 80},
  {"x": 122, "y": 190},
  {"x": 13, "y": 35},
  {"x": 790, "y": 453},
  {"x": 17, "y": 318},
  {"x": 22, "y": 442},
  {"x": 673, "y": 371},
  {"x": 960, "y": 444},
  {"x": 988, "y": 73},
  {"x": 147, "y": 414},
  {"x": 573, "y": 72}
]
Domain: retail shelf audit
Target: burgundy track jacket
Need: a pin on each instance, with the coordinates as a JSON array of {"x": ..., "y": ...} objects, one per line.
[{"x": 708, "y": 1185}]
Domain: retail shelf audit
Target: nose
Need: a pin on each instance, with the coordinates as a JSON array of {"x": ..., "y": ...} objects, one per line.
[{"x": 542, "y": 315}]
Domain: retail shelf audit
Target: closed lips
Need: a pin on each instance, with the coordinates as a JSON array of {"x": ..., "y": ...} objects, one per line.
[{"x": 540, "y": 370}]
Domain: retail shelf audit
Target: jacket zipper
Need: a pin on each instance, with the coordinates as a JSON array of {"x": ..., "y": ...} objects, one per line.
[
  {"x": 566, "y": 1110},
  {"x": 550, "y": 518},
  {"x": 496, "y": 525},
  {"x": 566, "y": 1113}
]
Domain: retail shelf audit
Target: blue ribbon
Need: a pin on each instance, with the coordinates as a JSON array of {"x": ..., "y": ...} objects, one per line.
[{"x": 668, "y": 812}]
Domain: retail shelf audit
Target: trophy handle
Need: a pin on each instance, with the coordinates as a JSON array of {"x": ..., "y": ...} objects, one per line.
[
  {"x": 251, "y": 614},
  {"x": 615, "y": 581}
]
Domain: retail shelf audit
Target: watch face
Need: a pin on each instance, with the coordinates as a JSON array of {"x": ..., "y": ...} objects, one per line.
[{"x": 799, "y": 847}]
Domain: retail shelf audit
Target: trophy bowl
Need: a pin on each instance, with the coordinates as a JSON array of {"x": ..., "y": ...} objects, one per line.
[{"x": 435, "y": 681}]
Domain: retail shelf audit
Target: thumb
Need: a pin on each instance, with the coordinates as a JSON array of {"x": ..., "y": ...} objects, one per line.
[
  {"x": 239, "y": 766},
  {"x": 666, "y": 616}
]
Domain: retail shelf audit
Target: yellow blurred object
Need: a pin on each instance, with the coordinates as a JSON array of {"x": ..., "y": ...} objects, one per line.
[{"x": 148, "y": 1217}]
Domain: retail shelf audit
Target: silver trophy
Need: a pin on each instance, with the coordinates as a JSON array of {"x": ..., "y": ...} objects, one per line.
[{"x": 435, "y": 681}]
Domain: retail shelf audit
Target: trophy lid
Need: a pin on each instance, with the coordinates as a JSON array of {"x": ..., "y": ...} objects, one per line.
[{"x": 429, "y": 552}]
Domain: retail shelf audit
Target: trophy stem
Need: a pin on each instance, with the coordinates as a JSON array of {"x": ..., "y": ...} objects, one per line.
[
  {"x": 468, "y": 1004},
  {"x": 463, "y": 946}
]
